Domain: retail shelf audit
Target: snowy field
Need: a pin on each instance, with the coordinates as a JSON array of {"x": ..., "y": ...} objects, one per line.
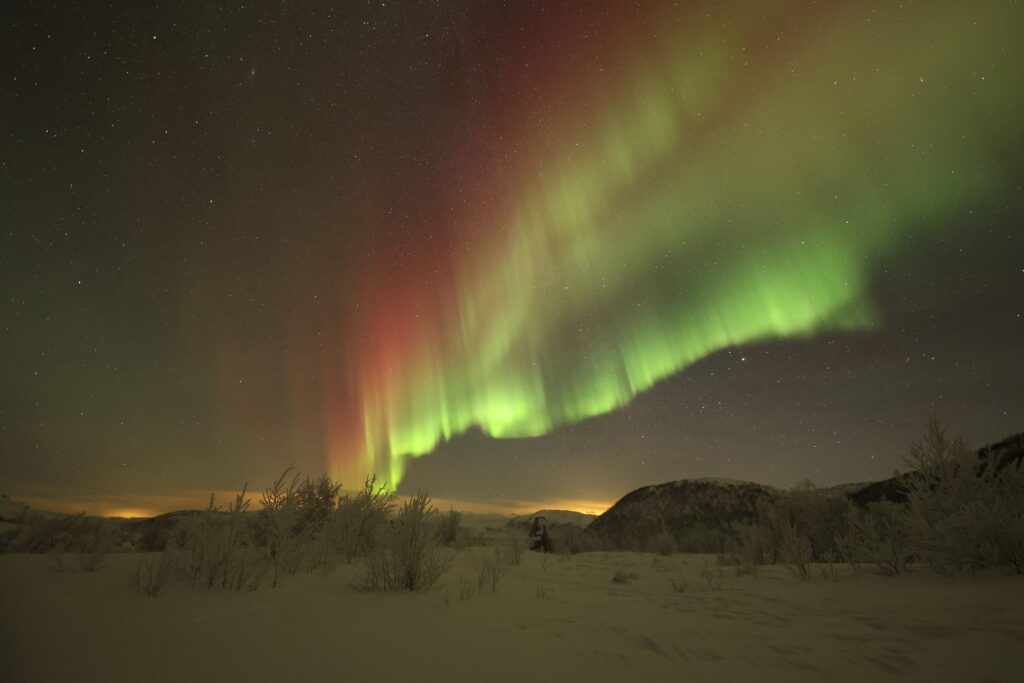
[{"x": 552, "y": 618}]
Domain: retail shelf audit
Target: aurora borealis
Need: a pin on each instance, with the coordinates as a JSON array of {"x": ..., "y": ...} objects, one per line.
[
  {"x": 697, "y": 195},
  {"x": 564, "y": 249}
]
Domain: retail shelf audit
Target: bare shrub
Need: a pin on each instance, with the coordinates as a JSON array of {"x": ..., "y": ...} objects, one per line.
[
  {"x": 816, "y": 515},
  {"x": 713, "y": 577},
  {"x": 767, "y": 539},
  {"x": 152, "y": 575},
  {"x": 745, "y": 564},
  {"x": 361, "y": 519},
  {"x": 490, "y": 570},
  {"x": 544, "y": 592},
  {"x": 757, "y": 547},
  {"x": 796, "y": 552},
  {"x": 35, "y": 533},
  {"x": 661, "y": 564},
  {"x": 622, "y": 576},
  {"x": 299, "y": 524},
  {"x": 314, "y": 501},
  {"x": 283, "y": 526},
  {"x": 885, "y": 531},
  {"x": 94, "y": 545},
  {"x": 449, "y": 528},
  {"x": 466, "y": 588},
  {"x": 218, "y": 549},
  {"x": 829, "y": 572},
  {"x": 850, "y": 543},
  {"x": 681, "y": 585},
  {"x": 410, "y": 555},
  {"x": 514, "y": 550},
  {"x": 76, "y": 541},
  {"x": 7, "y": 538}
]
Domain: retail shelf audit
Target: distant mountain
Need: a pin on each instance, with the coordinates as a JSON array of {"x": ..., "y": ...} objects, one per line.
[
  {"x": 554, "y": 518},
  {"x": 691, "y": 515}
]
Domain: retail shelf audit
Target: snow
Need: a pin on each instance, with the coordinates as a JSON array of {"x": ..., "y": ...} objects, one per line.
[{"x": 553, "y": 618}]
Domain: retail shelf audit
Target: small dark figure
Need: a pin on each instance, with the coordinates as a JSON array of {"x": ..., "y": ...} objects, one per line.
[{"x": 539, "y": 539}]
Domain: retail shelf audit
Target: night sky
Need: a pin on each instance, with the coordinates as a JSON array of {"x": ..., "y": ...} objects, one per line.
[{"x": 516, "y": 254}]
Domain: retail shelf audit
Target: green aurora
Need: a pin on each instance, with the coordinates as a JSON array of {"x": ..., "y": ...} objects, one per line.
[{"x": 735, "y": 176}]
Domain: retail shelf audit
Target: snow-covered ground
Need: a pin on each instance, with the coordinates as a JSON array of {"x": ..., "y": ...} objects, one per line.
[{"x": 553, "y": 618}]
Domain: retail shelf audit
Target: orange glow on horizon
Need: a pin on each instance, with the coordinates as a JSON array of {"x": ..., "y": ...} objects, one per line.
[
  {"x": 151, "y": 506},
  {"x": 130, "y": 513}
]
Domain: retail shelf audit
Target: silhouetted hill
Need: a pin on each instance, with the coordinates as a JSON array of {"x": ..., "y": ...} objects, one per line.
[
  {"x": 1007, "y": 451},
  {"x": 893, "y": 489},
  {"x": 697, "y": 515}
]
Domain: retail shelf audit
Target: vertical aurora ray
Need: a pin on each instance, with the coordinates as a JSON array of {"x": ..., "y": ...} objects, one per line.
[{"x": 693, "y": 179}]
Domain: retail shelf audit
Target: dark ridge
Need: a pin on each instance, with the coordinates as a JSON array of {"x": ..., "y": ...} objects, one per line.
[
  {"x": 1008, "y": 451},
  {"x": 893, "y": 489},
  {"x": 692, "y": 515}
]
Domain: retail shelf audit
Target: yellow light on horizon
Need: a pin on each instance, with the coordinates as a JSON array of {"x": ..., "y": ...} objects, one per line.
[{"x": 129, "y": 513}]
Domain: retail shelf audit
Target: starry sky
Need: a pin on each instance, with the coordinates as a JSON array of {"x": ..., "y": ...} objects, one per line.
[{"x": 516, "y": 254}]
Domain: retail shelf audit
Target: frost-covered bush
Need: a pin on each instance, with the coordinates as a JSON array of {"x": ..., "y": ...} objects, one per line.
[
  {"x": 76, "y": 542},
  {"x": 490, "y": 569},
  {"x": 449, "y": 527},
  {"x": 218, "y": 549},
  {"x": 850, "y": 544},
  {"x": 409, "y": 553},
  {"x": 302, "y": 524},
  {"x": 964, "y": 513},
  {"x": 153, "y": 574},
  {"x": 292, "y": 513},
  {"x": 360, "y": 520},
  {"x": 622, "y": 576},
  {"x": 796, "y": 551},
  {"x": 795, "y": 529},
  {"x": 883, "y": 534}
]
